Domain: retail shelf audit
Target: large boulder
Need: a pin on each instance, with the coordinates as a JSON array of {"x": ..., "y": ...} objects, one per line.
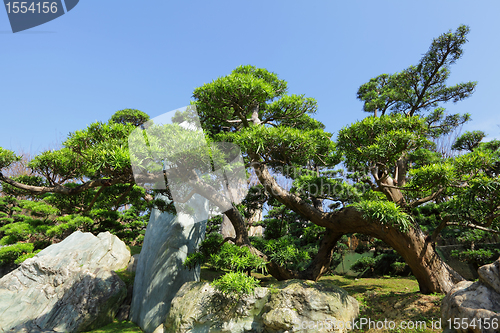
[
  {"x": 160, "y": 272},
  {"x": 67, "y": 287},
  {"x": 293, "y": 305},
  {"x": 467, "y": 303}
]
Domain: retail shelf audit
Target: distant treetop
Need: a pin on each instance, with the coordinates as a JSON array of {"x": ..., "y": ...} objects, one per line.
[{"x": 129, "y": 116}]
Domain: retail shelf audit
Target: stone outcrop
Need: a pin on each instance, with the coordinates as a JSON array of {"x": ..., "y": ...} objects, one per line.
[
  {"x": 293, "y": 305},
  {"x": 160, "y": 273},
  {"x": 67, "y": 287},
  {"x": 132, "y": 264},
  {"x": 468, "y": 302}
]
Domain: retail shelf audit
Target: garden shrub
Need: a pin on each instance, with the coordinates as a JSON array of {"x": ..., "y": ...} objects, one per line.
[
  {"x": 11, "y": 253},
  {"x": 236, "y": 283}
]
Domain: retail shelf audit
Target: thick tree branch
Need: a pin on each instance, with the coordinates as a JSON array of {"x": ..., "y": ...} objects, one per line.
[
  {"x": 474, "y": 226},
  {"x": 427, "y": 198},
  {"x": 60, "y": 188},
  {"x": 120, "y": 199}
]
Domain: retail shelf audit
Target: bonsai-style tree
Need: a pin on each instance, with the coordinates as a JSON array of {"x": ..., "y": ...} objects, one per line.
[
  {"x": 82, "y": 186},
  {"x": 393, "y": 166},
  {"x": 391, "y": 162}
]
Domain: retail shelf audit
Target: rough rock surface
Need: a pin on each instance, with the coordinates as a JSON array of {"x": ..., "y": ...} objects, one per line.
[
  {"x": 292, "y": 306},
  {"x": 160, "y": 273},
  {"x": 67, "y": 287},
  {"x": 490, "y": 275},
  {"x": 471, "y": 301},
  {"x": 132, "y": 264}
]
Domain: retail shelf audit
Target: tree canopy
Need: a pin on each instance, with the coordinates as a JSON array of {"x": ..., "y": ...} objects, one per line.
[{"x": 374, "y": 178}]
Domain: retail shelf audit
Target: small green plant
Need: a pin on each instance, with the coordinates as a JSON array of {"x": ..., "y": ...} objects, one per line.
[
  {"x": 235, "y": 283},
  {"x": 224, "y": 257},
  {"x": 385, "y": 212}
]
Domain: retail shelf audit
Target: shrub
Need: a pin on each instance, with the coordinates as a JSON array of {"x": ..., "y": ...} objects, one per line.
[
  {"x": 235, "y": 283},
  {"x": 12, "y": 252}
]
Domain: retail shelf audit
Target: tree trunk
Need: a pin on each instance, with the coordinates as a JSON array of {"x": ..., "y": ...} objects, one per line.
[
  {"x": 321, "y": 262},
  {"x": 432, "y": 273}
]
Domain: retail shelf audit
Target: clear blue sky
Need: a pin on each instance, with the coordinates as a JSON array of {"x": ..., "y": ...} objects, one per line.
[{"x": 104, "y": 56}]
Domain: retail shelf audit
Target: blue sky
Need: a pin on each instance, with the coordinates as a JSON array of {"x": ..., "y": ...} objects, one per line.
[{"x": 104, "y": 56}]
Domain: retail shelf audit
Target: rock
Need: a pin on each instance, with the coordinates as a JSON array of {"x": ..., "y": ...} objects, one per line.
[
  {"x": 257, "y": 231},
  {"x": 468, "y": 302},
  {"x": 67, "y": 287},
  {"x": 490, "y": 275},
  {"x": 160, "y": 272},
  {"x": 226, "y": 228},
  {"x": 293, "y": 305},
  {"x": 159, "y": 329},
  {"x": 132, "y": 264},
  {"x": 124, "y": 310}
]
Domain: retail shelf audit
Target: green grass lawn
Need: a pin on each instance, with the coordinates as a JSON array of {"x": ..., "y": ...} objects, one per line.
[{"x": 122, "y": 327}]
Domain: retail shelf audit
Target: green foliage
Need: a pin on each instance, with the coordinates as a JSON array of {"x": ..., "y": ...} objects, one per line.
[
  {"x": 388, "y": 262},
  {"x": 15, "y": 232},
  {"x": 432, "y": 176},
  {"x": 468, "y": 140},
  {"x": 421, "y": 87},
  {"x": 385, "y": 212},
  {"x": 39, "y": 224},
  {"x": 364, "y": 263},
  {"x": 477, "y": 257},
  {"x": 286, "y": 252},
  {"x": 119, "y": 327},
  {"x": 478, "y": 249},
  {"x": 235, "y": 258},
  {"x": 398, "y": 266},
  {"x": 381, "y": 140},
  {"x": 235, "y": 283},
  {"x": 224, "y": 257},
  {"x": 39, "y": 208},
  {"x": 7, "y": 157},
  {"x": 25, "y": 256},
  {"x": 126, "y": 276},
  {"x": 25, "y": 179},
  {"x": 227, "y": 257},
  {"x": 282, "y": 146},
  {"x": 11, "y": 253},
  {"x": 129, "y": 116},
  {"x": 68, "y": 224}
]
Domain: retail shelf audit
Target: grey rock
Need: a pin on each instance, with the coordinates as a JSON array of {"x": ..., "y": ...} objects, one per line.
[
  {"x": 132, "y": 264},
  {"x": 289, "y": 306},
  {"x": 124, "y": 310},
  {"x": 159, "y": 329},
  {"x": 490, "y": 275},
  {"x": 160, "y": 272},
  {"x": 468, "y": 302},
  {"x": 67, "y": 287}
]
